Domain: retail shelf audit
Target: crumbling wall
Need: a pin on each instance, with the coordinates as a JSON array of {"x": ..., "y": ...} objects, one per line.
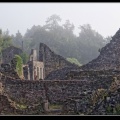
[
  {"x": 31, "y": 92},
  {"x": 90, "y": 74},
  {"x": 51, "y": 60},
  {"x": 26, "y": 92},
  {"x": 6, "y": 106},
  {"x": 109, "y": 57},
  {"x": 9, "y": 53}
]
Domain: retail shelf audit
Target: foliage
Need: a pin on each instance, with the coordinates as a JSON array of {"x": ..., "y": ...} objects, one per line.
[
  {"x": 17, "y": 40},
  {"x": 62, "y": 40},
  {"x": 54, "y": 106},
  {"x": 19, "y": 63},
  {"x": 52, "y": 22},
  {"x": 89, "y": 41},
  {"x": 113, "y": 111},
  {"x": 117, "y": 110},
  {"x": 5, "y": 41},
  {"x": 74, "y": 60},
  {"x": 24, "y": 57},
  {"x": 21, "y": 106}
]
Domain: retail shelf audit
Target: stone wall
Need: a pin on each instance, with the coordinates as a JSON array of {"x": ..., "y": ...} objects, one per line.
[
  {"x": 26, "y": 92},
  {"x": 107, "y": 103},
  {"x": 9, "y": 107},
  {"x": 31, "y": 92},
  {"x": 51, "y": 60},
  {"x": 9, "y": 53},
  {"x": 74, "y": 94},
  {"x": 6, "y": 106},
  {"x": 91, "y": 74},
  {"x": 109, "y": 57}
]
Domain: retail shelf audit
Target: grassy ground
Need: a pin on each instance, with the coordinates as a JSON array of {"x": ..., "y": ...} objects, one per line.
[
  {"x": 20, "y": 106},
  {"x": 54, "y": 106}
]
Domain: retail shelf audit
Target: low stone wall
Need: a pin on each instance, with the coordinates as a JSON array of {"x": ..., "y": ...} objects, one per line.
[
  {"x": 25, "y": 92},
  {"x": 92, "y": 74},
  {"x": 57, "y": 91}
]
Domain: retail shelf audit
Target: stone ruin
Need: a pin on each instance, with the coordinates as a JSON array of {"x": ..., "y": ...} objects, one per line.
[
  {"x": 38, "y": 67},
  {"x": 34, "y": 70},
  {"x": 105, "y": 66},
  {"x": 91, "y": 89},
  {"x": 34, "y": 94},
  {"x": 52, "y": 61},
  {"x": 109, "y": 59},
  {"x": 9, "y": 53}
]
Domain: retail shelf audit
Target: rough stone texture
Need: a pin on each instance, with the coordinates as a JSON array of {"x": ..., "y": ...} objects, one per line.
[
  {"x": 74, "y": 95},
  {"x": 30, "y": 92},
  {"x": 9, "y": 53},
  {"x": 51, "y": 60},
  {"x": 8, "y": 107},
  {"x": 8, "y": 70},
  {"x": 26, "y": 72},
  {"x": 109, "y": 57},
  {"x": 91, "y": 74},
  {"x": 60, "y": 74},
  {"x": 100, "y": 102}
]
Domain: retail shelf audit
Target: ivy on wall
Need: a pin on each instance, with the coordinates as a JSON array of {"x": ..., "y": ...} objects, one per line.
[{"x": 19, "y": 65}]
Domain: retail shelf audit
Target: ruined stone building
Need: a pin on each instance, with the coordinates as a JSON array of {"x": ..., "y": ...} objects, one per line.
[
  {"x": 53, "y": 61},
  {"x": 34, "y": 70},
  {"x": 9, "y": 53}
]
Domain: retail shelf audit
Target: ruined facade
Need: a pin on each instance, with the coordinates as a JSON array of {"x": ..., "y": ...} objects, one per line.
[
  {"x": 34, "y": 70},
  {"x": 40, "y": 68},
  {"x": 9, "y": 53},
  {"x": 51, "y": 60}
]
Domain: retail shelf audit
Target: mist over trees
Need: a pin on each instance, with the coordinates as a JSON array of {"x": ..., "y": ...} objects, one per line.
[
  {"x": 61, "y": 39},
  {"x": 5, "y": 41}
]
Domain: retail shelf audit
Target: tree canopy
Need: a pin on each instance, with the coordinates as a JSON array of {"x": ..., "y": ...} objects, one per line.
[{"x": 61, "y": 39}]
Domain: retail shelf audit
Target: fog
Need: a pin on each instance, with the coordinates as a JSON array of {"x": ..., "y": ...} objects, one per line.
[{"x": 103, "y": 17}]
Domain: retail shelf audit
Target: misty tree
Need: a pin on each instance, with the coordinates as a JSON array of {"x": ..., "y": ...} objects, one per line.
[
  {"x": 52, "y": 22},
  {"x": 5, "y": 41},
  {"x": 0, "y": 32},
  {"x": 17, "y": 39},
  {"x": 108, "y": 39},
  {"x": 90, "y": 42},
  {"x": 62, "y": 40},
  {"x": 68, "y": 26},
  {"x": 24, "y": 57}
]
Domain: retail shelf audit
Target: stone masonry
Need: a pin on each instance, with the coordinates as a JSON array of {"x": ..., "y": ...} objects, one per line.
[
  {"x": 9, "y": 53},
  {"x": 51, "y": 60}
]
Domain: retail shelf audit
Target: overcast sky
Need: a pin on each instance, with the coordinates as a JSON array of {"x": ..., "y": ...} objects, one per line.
[{"x": 103, "y": 17}]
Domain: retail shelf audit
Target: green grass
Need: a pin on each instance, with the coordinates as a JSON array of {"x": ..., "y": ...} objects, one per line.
[
  {"x": 55, "y": 106},
  {"x": 20, "y": 106}
]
